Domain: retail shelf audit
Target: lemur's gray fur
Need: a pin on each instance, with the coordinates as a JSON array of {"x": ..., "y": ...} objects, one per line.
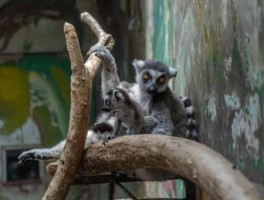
[
  {"x": 152, "y": 77},
  {"x": 129, "y": 117},
  {"x": 151, "y": 92},
  {"x": 163, "y": 112},
  {"x": 125, "y": 109}
]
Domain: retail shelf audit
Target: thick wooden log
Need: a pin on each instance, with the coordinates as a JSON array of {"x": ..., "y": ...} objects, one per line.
[{"x": 195, "y": 161}]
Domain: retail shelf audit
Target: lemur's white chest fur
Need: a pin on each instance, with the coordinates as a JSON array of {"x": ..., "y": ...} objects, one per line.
[{"x": 141, "y": 97}]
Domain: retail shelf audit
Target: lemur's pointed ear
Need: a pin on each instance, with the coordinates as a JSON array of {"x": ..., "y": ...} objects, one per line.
[
  {"x": 173, "y": 72},
  {"x": 138, "y": 64}
]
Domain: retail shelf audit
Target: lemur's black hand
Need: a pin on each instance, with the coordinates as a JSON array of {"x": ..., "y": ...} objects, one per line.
[{"x": 100, "y": 50}]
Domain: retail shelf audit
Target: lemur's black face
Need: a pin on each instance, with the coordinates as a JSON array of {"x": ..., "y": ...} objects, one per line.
[
  {"x": 153, "y": 76},
  {"x": 153, "y": 82},
  {"x": 115, "y": 99}
]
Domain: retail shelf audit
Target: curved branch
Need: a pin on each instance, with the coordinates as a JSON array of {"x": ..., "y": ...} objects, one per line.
[
  {"x": 195, "y": 161},
  {"x": 93, "y": 63},
  {"x": 103, "y": 38}
]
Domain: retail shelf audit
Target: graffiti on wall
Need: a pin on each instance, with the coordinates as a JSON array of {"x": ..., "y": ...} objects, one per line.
[{"x": 34, "y": 99}]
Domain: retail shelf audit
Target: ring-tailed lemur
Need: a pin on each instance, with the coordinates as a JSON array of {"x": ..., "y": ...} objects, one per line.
[
  {"x": 152, "y": 93},
  {"x": 126, "y": 110},
  {"x": 157, "y": 99},
  {"x": 163, "y": 112},
  {"x": 130, "y": 119}
]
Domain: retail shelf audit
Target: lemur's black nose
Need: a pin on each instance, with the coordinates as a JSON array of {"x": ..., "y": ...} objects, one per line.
[
  {"x": 106, "y": 106},
  {"x": 106, "y": 102},
  {"x": 106, "y": 109},
  {"x": 116, "y": 96},
  {"x": 152, "y": 89}
]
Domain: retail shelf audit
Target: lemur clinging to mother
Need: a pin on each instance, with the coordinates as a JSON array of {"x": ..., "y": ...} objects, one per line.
[
  {"x": 122, "y": 116},
  {"x": 127, "y": 111},
  {"x": 164, "y": 113},
  {"x": 172, "y": 115}
]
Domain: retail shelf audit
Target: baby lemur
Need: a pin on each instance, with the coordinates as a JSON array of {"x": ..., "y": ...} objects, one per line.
[
  {"x": 129, "y": 116},
  {"x": 126, "y": 110},
  {"x": 163, "y": 112}
]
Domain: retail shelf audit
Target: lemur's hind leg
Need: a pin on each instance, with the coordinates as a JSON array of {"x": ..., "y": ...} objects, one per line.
[
  {"x": 104, "y": 131},
  {"x": 42, "y": 154},
  {"x": 54, "y": 152},
  {"x": 148, "y": 125},
  {"x": 110, "y": 79}
]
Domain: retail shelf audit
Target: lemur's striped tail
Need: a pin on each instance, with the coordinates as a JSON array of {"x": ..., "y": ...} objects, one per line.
[{"x": 192, "y": 126}]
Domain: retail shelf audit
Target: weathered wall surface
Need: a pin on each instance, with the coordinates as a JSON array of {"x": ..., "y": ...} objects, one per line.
[
  {"x": 34, "y": 85},
  {"x": 218, "y": 47}
]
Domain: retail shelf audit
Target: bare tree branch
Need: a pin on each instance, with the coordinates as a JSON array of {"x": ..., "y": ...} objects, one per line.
[
  {"x": 79, "y": 117},
  {"x": 93, "y": 63},
  {"x": 195, "y": 161},
  {"x": 81, "y": 83},
  {"x": 103, "y": 38}
]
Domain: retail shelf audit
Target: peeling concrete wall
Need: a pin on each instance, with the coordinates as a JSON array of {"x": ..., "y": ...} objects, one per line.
[
  {"x": 218, "y": 47},
  {"x": 35, "y": 86}
]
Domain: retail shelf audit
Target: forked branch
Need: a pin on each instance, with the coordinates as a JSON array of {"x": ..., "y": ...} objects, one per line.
[
  {"x": 103, "y": 38},
  {"x": 81, "y": 83},
  {"x": 93, "y": 63}
]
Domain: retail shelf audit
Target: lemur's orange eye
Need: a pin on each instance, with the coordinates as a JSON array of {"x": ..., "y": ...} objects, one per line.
[
  {"x": 146, "y": 77},
  {"x": 161, "y": 79}
]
